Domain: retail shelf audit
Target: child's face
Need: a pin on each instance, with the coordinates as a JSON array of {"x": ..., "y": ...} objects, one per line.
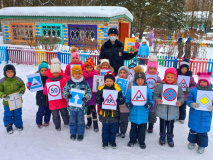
[
  {"x": 144, "y": 42},
  {"x": 183, "y": 70},
  {"x": 140, "y": 81},
  {"x": 152, "y": 70},
  {"x": 43, "y": 71},
  {"x": 123, "y": 74},
  {"x": 203, "y": 83},
  {"x": 109, "y": 82},
  {"x": 75, "y": 60},
  {"x": 10, "y": 73},
  {"x": 105, "y": 65},
  {"x": 89, "y": 69},
  {"x": 77, "y": 75},
  {"x": 170, "y": 78},
  {"x": 56, "y": 74}
]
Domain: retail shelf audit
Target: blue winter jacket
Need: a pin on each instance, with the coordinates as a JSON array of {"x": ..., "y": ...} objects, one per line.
[
  {"x": 199, "y": 121},
  {"x": 139, "y": 114},
  {"x": 143, "y": 50}
]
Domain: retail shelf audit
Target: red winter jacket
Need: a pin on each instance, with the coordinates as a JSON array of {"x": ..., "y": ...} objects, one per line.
[
  {"x": 67, "y": 70},
  {"x": 60, "y": 103}
]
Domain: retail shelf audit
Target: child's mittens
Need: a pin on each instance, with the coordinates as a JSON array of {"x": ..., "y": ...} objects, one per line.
[
  {"x": 188, "y": 90},
  {"x": 120, "y": 101},
  {"x": 21, "y": 92},
  {"x": 195, "y": 105},
  {"x": 160, "y": 101},
  {"x": 178, "y": 103},
  {"x": 5, "y": 97},
  {"x": 210, "y": 108},
  {"x": 69, "y": 96},
  {"x": 148, "y": 105},
  {"x": 129, "y": 105},
  {"x": 28, "y": 85}
]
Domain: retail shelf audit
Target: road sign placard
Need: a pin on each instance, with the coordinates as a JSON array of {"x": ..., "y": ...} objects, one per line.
[
  {"x": 139, "y": 95},
  {"x": 36, "y": 83},
  {"x": 110, "y": 97},
  {"x": 169, "y": 96},
  {"x": 151, "y": 81},
  {"x": 54, "y": 91},
  {"x": 183, "y": 81},
  {"x": 77, "y": 96},
  {"x": 204, "y": 99}
]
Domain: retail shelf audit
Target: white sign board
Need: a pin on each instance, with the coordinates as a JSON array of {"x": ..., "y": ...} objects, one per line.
[
  {"x": 204, "y": 99},
  {"x": 36, "y": 83},
  {"x": 170, "y": 93},
  {"x": 183, "y": 81},
  {"x": 131, "y": 74},
  {"x": 104, "y": 71},
  {"x": 139, "y": 95},
  {"x": 76, "y": 99},
  {"x": 110, "y": 97},
  {"x": 151, "y": 80},
  {"x": 97, "y": 82},
  {"x": 15, "y": 101},
  {"x": 54, "y": 90}
]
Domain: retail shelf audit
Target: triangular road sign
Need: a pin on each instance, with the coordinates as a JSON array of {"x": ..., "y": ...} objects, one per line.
[
  {"x": 138, "y": 97},
  {"x": 35, "y": 83},
  {"x": 109, "y": 101},
  {"x": 183, "y": 84}
]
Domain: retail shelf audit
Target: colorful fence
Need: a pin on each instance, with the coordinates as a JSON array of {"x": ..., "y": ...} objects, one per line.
[{"x": 34, "y": 57}]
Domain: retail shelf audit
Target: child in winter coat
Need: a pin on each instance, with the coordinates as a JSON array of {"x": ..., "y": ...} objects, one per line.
[
  {"x": 138, "y": 115},
  {"x": 137, "y": 44},
  {"x": 123, "y": 72},
  {"x": 76, "y": 123},
  {"x": 88, "y": 74},
  {"x": 152, "y": 69},
  {"x": 56, "y": 74},
  {"x": 109, "y": 118},
  {"x": 143, "y": 51},
  {"x": 104, "y": 64},
  {"x": 180, "y": 47},
  {"x": 41, "y": 99},
  {"x": 75, "y": 60},
  {"x": 168, "y": 113},
  {"x": 184, "y": 70},
  {"x": 8, "y": 85},
  {"x": 199, "y": 121}
]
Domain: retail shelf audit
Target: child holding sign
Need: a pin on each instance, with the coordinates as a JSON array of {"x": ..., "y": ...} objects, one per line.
[
  {"x": 59, "y": 105},
  {"x": 8, "y": 85},
  {"x": 104, "y": 64},
  {"x": 184, "y": 71},
  {"x": 199, "y": 120},
  {"x": 88, "y": 74},
  {"x": 139, "y": 113},
  {"x": 168, "y": 113},
  {"x": 76, "y": 123},
  {"x": 109, "y": 118},
  {"x": 75, "y": 59},
  {"x": 152, "y": 69}
]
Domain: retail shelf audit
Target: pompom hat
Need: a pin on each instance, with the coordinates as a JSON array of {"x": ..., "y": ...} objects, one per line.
[
  {"x": 204, "y": 77},
  {"x": 55, "y": 66},
  {"x": 153, "y": 62}
]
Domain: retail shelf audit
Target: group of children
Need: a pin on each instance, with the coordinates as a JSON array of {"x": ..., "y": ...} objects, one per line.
[{"x": 114, "y": 122}]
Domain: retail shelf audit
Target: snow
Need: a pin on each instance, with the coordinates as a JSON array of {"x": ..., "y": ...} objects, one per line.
[{"x": 67, "y": 11}]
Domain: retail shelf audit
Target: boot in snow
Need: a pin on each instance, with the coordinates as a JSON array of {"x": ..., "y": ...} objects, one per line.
[
  {"x": 170, "y": 140},
  {"x": 162, "y": 139},
  {"x": 9, "y": 128}
]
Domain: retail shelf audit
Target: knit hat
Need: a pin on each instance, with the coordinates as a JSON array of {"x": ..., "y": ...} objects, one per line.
[
  {"x": 204, "y": 77},
  {"x": 55, "y": 66},
  {"x": 153, "y": 62},
  {"x": 171, "y": 70},
  {"x": 132, "y": 65},
  {"x": 180, "y": 39},
  {"x": 136, "y": 38},
  {"x": 76, "y": 69},
  {"x": 113, "y": 31},
  {"x": 9, "y": 67},
  {"x": 74, "y": 55},
  {"x": 123, "y": 68},
  {"x": 104, "y": 61},
  {"x": 139, "y": 73},
  {"x": 189, "y": 39},
  {"x": 73, "y": 49},
  {"x": 185, "y": 63},
  {"x": 43, "y": 64},
  {"x": 144, "y": 40},
  {"x": 89, "y": 62},
  {"x": 110, "y": 75}
]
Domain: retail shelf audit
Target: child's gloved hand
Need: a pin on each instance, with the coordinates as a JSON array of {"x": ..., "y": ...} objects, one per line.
[
  {"x": 129, "y": 105},
  {"x": 195, "y": 105},
  {"x": 21, "y": 92},
  {"x": 148, "y": 105},
  {"x": 120, "y": 101},
  {"x": 69, "y": 96},
  {"x": 28, "y": 85},
  {"x": 210, "y": 108},
  {"x": 178, "y": 103},
  {"x": 188, "y": 90},
  {"x": 84, "y": 99},
  {"x": 160, "y": 101},
  {"x": 5, "y": 97}
]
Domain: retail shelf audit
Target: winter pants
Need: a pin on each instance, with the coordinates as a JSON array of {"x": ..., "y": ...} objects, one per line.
[
  {"x": 13, "y": 117},
  {"x": 43, "y": 111},
  {"x": 200, "y": 138},
  {"x": 123, "y": 123},
  {"x": 109, "y": 132},
  {"x": 166, "y": 125},
  {"x": 138, "y": 131},
  {"x": 152, "y": 117},
  {"x": 56, "y": 116},
  {"x": 182, "y": 111},
  {"x": 91, "y": 110},
  {"x": 76, "y": 123}
]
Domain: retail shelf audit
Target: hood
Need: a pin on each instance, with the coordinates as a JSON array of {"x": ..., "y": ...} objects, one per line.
[
  {"x": 50, "y": 75},
  {"x": 98, "y": 68}
]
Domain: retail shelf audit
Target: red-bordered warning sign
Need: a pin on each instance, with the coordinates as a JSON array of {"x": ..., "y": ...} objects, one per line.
[
  {"x": 54, "y": 90},
  {"x": 183, "y": 84},
  {"x": 109, "y": 101},
  {"x": 170, "y": 94},
  {"x": 138, "y": 97}
]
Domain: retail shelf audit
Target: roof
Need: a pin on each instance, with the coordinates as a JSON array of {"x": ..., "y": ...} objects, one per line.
[{"x": 67, "y": 11}]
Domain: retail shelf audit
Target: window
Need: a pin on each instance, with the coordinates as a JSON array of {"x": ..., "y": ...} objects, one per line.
[{"x": 22, "y": 31}]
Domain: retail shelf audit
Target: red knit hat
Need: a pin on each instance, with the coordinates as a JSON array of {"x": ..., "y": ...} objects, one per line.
[
  {"x": 204, "y": 77},
  {"x": 171, "y": 70},
  {"x": 89, "y": 62}
]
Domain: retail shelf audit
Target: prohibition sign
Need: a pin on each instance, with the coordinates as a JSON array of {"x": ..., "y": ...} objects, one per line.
[
  {"x": 170, "y": 94},
  {"x": 151, "y": 79},
  {"x": 53, "y": 89}
]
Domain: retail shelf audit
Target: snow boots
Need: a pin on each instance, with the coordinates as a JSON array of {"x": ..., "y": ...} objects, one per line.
[
  {"x": 95, "y": 124},
  {"x": 162, "y": 139},
  {"x": 170, "y": 140},
  {"x": 150, "y": 128},
  {"x": 9, "y": 128}
]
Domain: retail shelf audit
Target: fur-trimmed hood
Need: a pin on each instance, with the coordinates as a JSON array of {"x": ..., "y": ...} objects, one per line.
[{"x": 98, "y": 68}]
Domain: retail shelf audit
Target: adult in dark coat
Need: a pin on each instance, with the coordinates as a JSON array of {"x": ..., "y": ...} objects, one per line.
[
  {"x": 188, "y": 48},
  {"x": 114, "y": 51}
]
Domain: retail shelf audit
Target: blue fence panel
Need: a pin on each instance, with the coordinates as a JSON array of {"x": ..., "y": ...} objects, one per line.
[
  {"x": 83, "y": 57},
  {"x": 210, "y": 66},
  {"x": 64, "y": 57},
  {"x": 4, "y": 54}
]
